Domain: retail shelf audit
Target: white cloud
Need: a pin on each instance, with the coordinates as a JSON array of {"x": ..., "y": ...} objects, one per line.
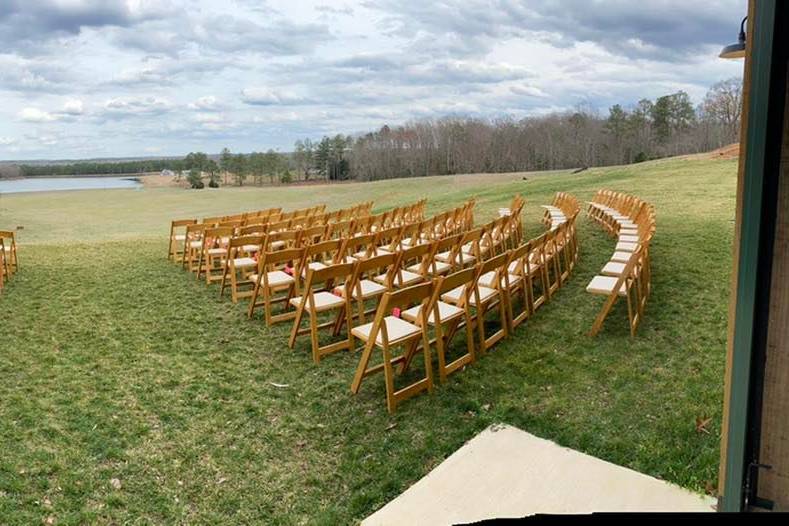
[
  {"x": 35, "y": 115},
  {"x": 262, "y": 96},
  {"x": 137, "y": 106},
  {"x": 529, "y": 91},
  {"x": 73, "y": 107},
  {"x": 7, "y": 141},
  {"x": 207, "y": 103}
]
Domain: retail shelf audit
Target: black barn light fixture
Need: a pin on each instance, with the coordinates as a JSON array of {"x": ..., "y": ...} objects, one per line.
[{"x": 736, "y": 50}]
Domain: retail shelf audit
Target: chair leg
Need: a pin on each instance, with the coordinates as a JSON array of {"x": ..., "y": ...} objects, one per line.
[
  {"x": 601, "y": 316},
  {"x": 296, "y": 325},
  {"x": 470, "y": 337},
  {"x": 481, "y": 328},
  {"x": 361, "y": 369},
  {"x": 253, "y": 300},
  {"x": 441, "y": 352},
  {"x": 234, "y": 283},
  {"x": 428, "y": 364},
  {"x": 391, "y": 403},
  {"x": 225, "y": 271},
  {"x": 316, "y": 355}
]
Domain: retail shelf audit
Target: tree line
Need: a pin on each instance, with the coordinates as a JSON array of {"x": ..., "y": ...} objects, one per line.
[
  {"x": 669, "y": 125},
  {"x": 102, "y": 167}
]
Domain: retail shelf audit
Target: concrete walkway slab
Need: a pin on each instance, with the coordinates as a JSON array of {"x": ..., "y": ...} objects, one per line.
[{"x": 506, "y": 472}]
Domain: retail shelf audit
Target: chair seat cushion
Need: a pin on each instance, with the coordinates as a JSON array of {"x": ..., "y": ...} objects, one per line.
[
  {"x": 628, "y": 239},
  {"x": 244, "y": 263},
  {"x": 178, "y": 237},
  {"x": 323, "y": 301},
  {"x": 621, "y": 257},
  {"x": 613, "y": 268},
  {"x": 217, "y": 251},
  {"x": 440, "y": 268},
  {"x": 486, "y": 280},
  {"x": 626, "y": 247},
  {"x": 454, "y": 295},
  {"x": 313, "y": 265},
  {"x": 605, "y": 285},
  {"x": 369, "y": 289},
  {"x": 446, "y": 312},
  {"x": 402, "y": 278},
  {"x": 276, "y": 278},
  {"x": 444, "y": 256},
  {"x": 276, "y": 245},
  {"x": 397, "y": 330},
  {"x": 466, "y": 259}
]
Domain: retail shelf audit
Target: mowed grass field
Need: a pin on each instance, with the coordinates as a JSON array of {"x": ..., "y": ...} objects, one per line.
[{"x": 130, "y": 393}]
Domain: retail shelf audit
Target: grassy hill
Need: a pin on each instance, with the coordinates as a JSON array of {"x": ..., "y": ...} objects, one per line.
[{"x": 118, "y": 365}]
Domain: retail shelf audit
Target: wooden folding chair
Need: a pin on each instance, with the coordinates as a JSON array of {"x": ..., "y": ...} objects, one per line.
[
  {"x": 213, "y": 253},
  {"x": 11, "y": 257},
  {"x": 409, "y": 234},
  {"x": 436, "y": 267},
  {"x": 512, "y": 228},
  {"x": 517, "y": 284},
  {"x": 387, "y": 241},
  {"x": 193, "y": 246},
  {"x": 534, "y": 267},
  {"x": 562, "y": 254},
  {"x": 282, "y": 239},
  {"x": 627, "y": 285},
  {"x": 333, "y": 296},
  {"x": 279, "y": 226},
  {"x": 312, "y": 235},
  {"x": 551, "y": 262},
  {"x": 3, "y": 265},
  {"x": 274, "y": 283},
  {"x": 419, "y": 257},
  {"x": 466, "y": 252},
  {"x": 358, "y": 247},
  {"x": 496, "y": 241},
  {"x": 317, "y": 256},
  {"x": 388, "y": 331},
  {"x": 485, "y": 299},
  {"x": 253, "y": 229},
  {"x": 177, "y": 243},
  {"x": 446, "y": 318},
  {"x": 363, "y": 288},
  {"x": 240, "y": 263},
  {"x": 339, "y": 229}
]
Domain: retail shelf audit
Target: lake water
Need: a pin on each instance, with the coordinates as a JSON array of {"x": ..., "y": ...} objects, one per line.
[{"x": 51, "y": 184}]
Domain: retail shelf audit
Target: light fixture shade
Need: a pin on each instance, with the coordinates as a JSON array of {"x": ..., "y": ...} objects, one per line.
[
  {"x": 736, "y": 50},
  {"x": 733, "y": 51}
]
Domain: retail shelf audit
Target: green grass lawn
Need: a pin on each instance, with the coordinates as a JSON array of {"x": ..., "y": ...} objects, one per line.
[{"x": 116, "y": 364}]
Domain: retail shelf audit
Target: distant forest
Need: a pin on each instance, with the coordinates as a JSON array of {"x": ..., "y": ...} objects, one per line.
[
  {"x": 669, "y": 125},
  {"x": 102, "y": 167}
]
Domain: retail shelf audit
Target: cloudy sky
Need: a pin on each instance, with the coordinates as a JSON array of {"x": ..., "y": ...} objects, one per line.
[{"x": 101, "y": 78}]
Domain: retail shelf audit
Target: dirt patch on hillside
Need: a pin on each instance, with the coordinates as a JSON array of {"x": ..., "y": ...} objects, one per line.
[
  {"x": 162, "y": 181},
  {"x": 731, "y": 151}
]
